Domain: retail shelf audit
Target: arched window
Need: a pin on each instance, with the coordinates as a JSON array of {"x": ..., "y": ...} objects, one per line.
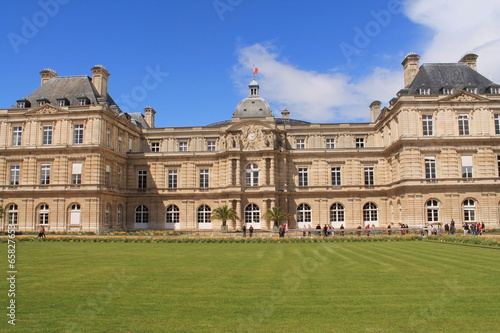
[
  {"x": 141, "y": 214},
  {"x": 43, "y": 214},
  {"x": 172, "y": 214},
  {"x": 119, "y": 214},
  {"x": 252, "y": 175},
  {"x": 432, "y": 211},
  {"x": 12, "y": 214},
  {"x": 204, "y": 213},
  {"x": 469, "y": 207},
  {"x": 304, "y": 213},
  {"x": 74, "y": 214},
  {"x": 337, "y": 213},
  {"x": 252, "y": 214},
  {"x": 370, "y": 213},
  {"x": 107, "y": 214}
]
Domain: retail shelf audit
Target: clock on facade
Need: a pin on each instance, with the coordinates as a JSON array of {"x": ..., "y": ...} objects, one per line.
[{"x": 251, "y": 136}]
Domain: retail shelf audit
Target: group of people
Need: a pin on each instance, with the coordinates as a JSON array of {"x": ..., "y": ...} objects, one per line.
[
  {"x": 41, "y": 232},
  {"x": 474, "y": 228},
  {"x": 244, "y": 230}
]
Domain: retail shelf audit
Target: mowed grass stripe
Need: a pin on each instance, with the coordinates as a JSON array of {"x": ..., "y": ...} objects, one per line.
[{"x": 323, "y": 287}]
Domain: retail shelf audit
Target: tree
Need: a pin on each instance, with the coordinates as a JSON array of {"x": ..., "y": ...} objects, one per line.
[
  {"x": 224, "y": 213},
  {"x": 276, "y": 214}
]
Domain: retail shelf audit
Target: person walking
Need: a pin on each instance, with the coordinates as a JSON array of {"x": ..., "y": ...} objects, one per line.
[
  {"x": 452, "y": 228},
  {"x": 41, "y": 232},
  {"x": 244, "y": 229},
  {"x": 251, "y": 230}
]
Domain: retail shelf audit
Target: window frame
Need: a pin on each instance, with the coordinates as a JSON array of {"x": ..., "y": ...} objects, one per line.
[{"x": 303, "y": 176}]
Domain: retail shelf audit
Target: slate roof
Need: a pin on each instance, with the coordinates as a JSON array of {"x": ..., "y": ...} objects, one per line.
[
  {"x": 279, "y": 121},
  {"x": 71, "y": 88},
  {"x": 456, "y": 76}
]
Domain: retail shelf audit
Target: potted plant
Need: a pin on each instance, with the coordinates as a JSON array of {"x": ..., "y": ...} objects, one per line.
[
  {"x": 276, "y": 214},
  {"x": 224, "y": 213}
]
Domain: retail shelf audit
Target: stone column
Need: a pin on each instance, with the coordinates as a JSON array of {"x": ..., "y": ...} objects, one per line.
[
  {"x": 239, "y": 223},
  {"x": 238, "y": 172}
]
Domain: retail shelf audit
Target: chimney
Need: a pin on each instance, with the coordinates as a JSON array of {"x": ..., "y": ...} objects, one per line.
[
  {"x": 410, "y": 67},
  {"x": 47, "y": 74},
  {"x": 149, "y": 116},
  {"x": 375, "y": 110},
  {"x": 470, "y": 60},
  {"x": 285, "y": 114},
  {"x": 100, "y": 79}
]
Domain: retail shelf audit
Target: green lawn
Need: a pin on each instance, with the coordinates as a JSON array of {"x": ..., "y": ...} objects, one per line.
[{"x": 314, "y": 287}]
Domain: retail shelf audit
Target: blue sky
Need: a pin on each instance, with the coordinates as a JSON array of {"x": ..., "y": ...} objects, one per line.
[{"x": 324, "y": 60}]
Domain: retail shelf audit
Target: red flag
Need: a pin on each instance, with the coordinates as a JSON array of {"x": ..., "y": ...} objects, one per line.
[{"x": 255, "y": 70}]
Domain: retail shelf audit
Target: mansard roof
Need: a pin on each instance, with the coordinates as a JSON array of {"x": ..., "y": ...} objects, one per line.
[
  {"x": 455, "y": 76},
  {"x": 279, "y": 121},
  {"x": 73, "y": 88}
]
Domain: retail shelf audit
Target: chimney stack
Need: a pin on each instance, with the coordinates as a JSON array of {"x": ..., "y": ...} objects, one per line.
[
  {"x": 470, "y": 59},
  {"x": 149, "y": 116},
  {"x": 285, "y": 114},
  {"x": 410, "y": 67},
  {"x": 47, "y": 74},
  {"x": 375, "y": 110},
  {"x": 100, "y": 79}
]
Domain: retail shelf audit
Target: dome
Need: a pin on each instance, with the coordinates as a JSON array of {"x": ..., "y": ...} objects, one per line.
[{"x": 253, "y": 105}]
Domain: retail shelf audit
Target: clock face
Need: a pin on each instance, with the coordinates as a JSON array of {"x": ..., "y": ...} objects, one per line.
[{"x": 251, "y": 136}]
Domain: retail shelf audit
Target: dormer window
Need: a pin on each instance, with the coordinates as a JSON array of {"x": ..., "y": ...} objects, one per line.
[
  {"x": 62, "y": 102},
  {"x": 42, "y": 101},
  {"x": 424, "y": 91},
  {"x": 494, "y": 90},
  {"x": 472, "y": 90},
  {"x": 447, "y": 91},
  {"x": 83, "y": 101},
  {"x": 23, "y": 103}
]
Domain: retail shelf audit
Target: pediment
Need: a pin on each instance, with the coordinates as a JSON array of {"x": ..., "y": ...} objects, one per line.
[
  {"x": 46, "y": 109},
  {"x": 463, "y": 96},
  {"x": 253, "y": 124}
]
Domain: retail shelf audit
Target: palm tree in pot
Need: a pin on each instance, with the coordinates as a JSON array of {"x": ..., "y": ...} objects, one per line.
[
  {"x": 224, "y": 214},
  {"x": 276, "y": 214}
]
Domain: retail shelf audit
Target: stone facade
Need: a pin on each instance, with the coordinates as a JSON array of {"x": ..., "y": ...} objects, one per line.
[{"x": 76, "y": 162}]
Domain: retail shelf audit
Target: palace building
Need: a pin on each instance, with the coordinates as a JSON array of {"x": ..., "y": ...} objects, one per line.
[{"x": 73, "y": 161}]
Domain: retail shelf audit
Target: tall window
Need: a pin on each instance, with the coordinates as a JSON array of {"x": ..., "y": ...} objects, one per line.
[
  {"x": 78, "y": 134},
  {"x": 370, "y": 213},
  {"x": 463, "y": 124},
  {"x": 300, "y": 143},
  {"x": 120, "y": 143},
  {"x": 47, "y": 135},
  {"x": 369, "y": 179},
  {"x": 360, "y": 143},
  {"x": 43, "y": 214},
  {"x": 172, "y": 179},
  {"x": 466, "y": 166},
  {"x": 75, "y": 214},
  {"x": 119, "y": 177},
  {"x": 330, "y": 143},
  {"x": 211, "y": 145},
  {"x": 252, "y": 214},
  {"x": 76, "y": 174},
  {"x": 430, "y": 167},
  {"x": 183, "y": 146},
  {"x": 252, "y": 175},
  {"x": 427, "y": 124},
  {"x": 432, "y": 211},
  {"x": 303, "y": 177},
  {"x": 469, "y": 207},
  {"x": 107, "y": 214},
  {"x": 204, "y": 178},
  {"x": 497, "y": 123},
  {"x": 12, "y": 214},
  {"x": 142, "y": 179},
  {"x": 107, "y": 175},
  {"x": 119, "y": 214},
  {"x": 15, "y": 170},
  {"x": 498, "y": 165},
  {"x": 108, "y": 137},
  {"x": 45, "y": 174},
  {"x": 155, "y": 147},
  {"x": 336, "y": 176},
  {"x": 172, "y": 214},
  {"x": 337, "y": 213},
  {"x": 141, "y": 214},
  {"x": 17, "y": 134},
  {"x": 304, "y": 213},
  {"x": 204, "y": 213}
]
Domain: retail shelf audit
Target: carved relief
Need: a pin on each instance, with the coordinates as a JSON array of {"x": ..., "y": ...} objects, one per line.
[{"x": 463, "y": 98}]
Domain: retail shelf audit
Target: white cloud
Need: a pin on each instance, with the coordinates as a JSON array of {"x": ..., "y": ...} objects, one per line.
[
  {"x": 460, "y": 27},
  {"x": 313, "y": 96}
]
